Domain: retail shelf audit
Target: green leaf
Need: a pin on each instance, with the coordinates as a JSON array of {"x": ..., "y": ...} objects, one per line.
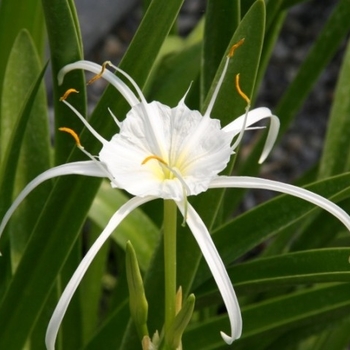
[
  {"x": 110, "y": 334},
  {"x": 14, "y": 121},
  {"x": 90, "y": 289},
  {"x": 274, "y": 21},
  {"x": 65, "y": 47},
  {"x": 16, "y": 116},
  {"x": 23, "y": 130},
  {"x": 221, "y": 21},
  {"x": 15, "y": 15},
  {"x": 229, "y": 104},
  {"x": 337, "y": 144},
  {"x": 276, "y": 323},
  {"x": 174, "y": 74},
  {"x": 327, "y": 229},
  {"x": 261, "y": 274},
  {"x": 137, "y": 227},
  {"x": 13, "y": 147},
  {"x": 336, "y": 338}
]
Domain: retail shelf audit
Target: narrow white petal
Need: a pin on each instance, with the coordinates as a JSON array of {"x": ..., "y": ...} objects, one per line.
[
  {"x": 119, "y": 124},
  {"x": 271, "y": 137},
  {"x": 79, "y": 273},
  {"x": 150, "y": 111},
  {"x": 85, "y": 122},
  {"x": 253, "y": 117},
  {"x": 108, "y": 75},
  {"x": 258, "y": 183},
  {"x": 217, "y": 269},
  {"x": 133, "y": 82},
  {"x": 87, "y": 168},
  {"x": 217, "y": 89}
]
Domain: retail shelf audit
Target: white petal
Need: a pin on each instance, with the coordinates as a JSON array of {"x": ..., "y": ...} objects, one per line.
[
  {"x": 202, "y": 147},
  {"x": 217, "y": 269},
  {"x": 258, "y": 183},
  {"x": 87, "y": 168},
  {"x": 253, "y": 117},
  {"x": 72, "y": 285},
  {"x": 108, "y": 75}
]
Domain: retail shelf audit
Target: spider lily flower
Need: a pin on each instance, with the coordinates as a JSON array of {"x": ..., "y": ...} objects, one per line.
[{"x": 168, "y": 153}]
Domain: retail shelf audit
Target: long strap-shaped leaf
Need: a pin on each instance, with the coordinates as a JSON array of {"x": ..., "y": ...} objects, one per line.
[
  {"x": 8, "y": 166},
  {"x": 14, "y": 16},
  {"x": 23, "y": 46},
  {"x": 336, "y": 147},
  {"x": 284, "y": 320},
  {"x": 263, "y": 274},
  {"x": 254, "y": 227}
]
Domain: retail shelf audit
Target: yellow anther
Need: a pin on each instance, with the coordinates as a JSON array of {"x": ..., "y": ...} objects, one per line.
[
  {"x": 153, "y": 157},
  {"x": 242, "y": 94},
  {"x": 234, "y": 47},
  {"x": 67, "y": 93},
  {"x": 74, "y": 134},
  {"x": 99, "y": 75}
]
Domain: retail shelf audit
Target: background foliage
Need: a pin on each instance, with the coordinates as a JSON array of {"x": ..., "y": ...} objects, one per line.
[{"x": 289, "y": 262}]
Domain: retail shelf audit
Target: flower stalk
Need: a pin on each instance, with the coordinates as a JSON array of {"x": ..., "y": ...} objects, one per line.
[{"x": 170, "y": 217}]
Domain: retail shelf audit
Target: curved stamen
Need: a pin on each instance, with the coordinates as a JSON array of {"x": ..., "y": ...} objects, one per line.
[
  {"x": 99, "y": 75},
  {"x": 74, "y": 134},
  {"x": 99, "y": 164},
  {"x": 67, "y": 93},
  {"x": 218, "y": 86},
  {"x": 235, "y": 47},
  {"x": 154, "y": 157},
  {"x": 246, "y": 98},
  {"x": 239, "y": 90}
]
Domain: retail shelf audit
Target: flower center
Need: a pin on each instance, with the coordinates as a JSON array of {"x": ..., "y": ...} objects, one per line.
[{"x": 169, "y": 172}]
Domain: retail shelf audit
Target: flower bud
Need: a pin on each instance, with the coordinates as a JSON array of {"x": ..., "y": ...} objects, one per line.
[
  {"x": 183, "y": 317},
  {"x": 137, "y": 298}
]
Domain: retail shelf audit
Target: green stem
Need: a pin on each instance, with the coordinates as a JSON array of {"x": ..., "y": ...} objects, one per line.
[{"x": 170, "y": 212}]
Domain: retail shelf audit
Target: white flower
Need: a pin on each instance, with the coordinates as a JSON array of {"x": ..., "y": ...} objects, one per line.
[{"x": 169, "y": 153}]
